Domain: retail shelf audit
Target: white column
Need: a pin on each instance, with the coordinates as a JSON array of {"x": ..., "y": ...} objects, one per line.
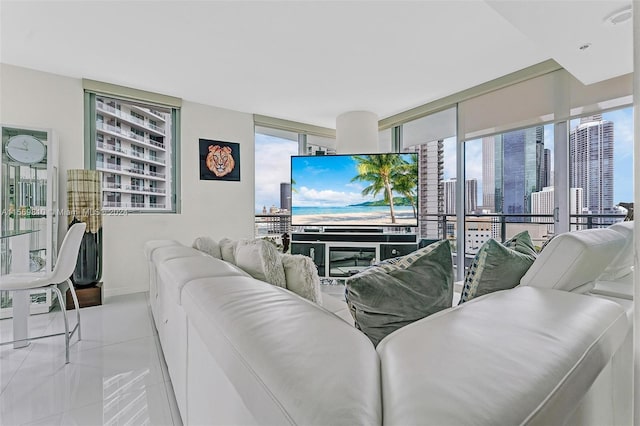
[
  {"x": 357, "y": 133},
  {"x": 21, "y": 300},
  {"x": 460, "y": 200},
  {"x": 561, "y": 216},
  {"x": 636, "y": 231}
]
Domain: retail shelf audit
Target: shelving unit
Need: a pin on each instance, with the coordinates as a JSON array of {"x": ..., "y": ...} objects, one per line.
[
  {"x": 340, "y": 255},
  {"x": 29, "y": 202}
]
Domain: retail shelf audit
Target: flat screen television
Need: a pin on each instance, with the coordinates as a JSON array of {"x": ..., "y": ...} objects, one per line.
[{"x": 354, "y": 190}]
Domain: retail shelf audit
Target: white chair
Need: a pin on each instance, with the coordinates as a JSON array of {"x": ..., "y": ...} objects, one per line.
[{"x": 61, "y": 272}]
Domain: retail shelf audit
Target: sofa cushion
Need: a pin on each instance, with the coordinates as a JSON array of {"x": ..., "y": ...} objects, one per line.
[
  {"x": 207, "y": 245},
  {"x": 290, "y": 361},
  {"x": 622, "y": 265},
  {"x": 572, "y": 261},
  {"x": 388, "y": 296},
  {"x": 161, "y": 254},
  {"x": 228, "y": 249},
  {"x": 177, "y": 272},
  {"x": 338, "y": 307},
  {"x": 498, "y": 266},
  {"x": 523, "y": 356},
  {"x": 152, "y": 245},
  {"x": 302, "y": 276},
  {"x": 261, "y": 260}
]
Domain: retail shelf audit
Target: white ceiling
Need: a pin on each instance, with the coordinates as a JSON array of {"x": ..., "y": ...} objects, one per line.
[{"x": 310, "y": 61}]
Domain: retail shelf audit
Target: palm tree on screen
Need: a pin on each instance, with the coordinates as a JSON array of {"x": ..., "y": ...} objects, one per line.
[
  {"x": 380, "y": 171},
  {"x": 406, "y": 182}
]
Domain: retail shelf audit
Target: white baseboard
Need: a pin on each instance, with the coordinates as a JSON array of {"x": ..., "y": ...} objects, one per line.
[{"x": 120, "y": 291}]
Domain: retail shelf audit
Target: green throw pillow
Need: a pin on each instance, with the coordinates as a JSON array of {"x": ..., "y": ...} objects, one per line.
[
  {"x": 498, "y": 266},
  {"x": 390, "y": 295}
]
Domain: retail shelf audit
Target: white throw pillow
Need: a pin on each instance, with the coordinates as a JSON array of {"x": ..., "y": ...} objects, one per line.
[
  {"x": 207, "y": 245},
  {"x": 228, "y": 249},
  {"x": 302, "y": 276},
  {"x": 261, "y": 260}
]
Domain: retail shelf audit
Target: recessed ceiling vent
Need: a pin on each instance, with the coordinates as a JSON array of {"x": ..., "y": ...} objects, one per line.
[{"x": 619, "y": 17}]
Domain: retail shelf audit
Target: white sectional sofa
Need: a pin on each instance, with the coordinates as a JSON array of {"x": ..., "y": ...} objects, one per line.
[{"x": 241, "y": 351}]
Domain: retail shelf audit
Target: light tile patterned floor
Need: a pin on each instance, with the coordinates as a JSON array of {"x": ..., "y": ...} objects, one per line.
[{"x": 117, "y": 374}]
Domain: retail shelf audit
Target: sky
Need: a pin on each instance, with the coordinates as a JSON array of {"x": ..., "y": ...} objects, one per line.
[
  {"x": 273, "y": 164},
  {"x": 623, "y": 154},
  {"x": 272, "y": 167}
]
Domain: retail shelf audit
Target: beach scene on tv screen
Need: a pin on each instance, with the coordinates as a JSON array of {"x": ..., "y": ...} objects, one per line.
[{"x": 356, "y": 190}]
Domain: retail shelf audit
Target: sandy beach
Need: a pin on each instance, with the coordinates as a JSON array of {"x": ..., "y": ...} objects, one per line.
[{"x": 403, "y": 218}]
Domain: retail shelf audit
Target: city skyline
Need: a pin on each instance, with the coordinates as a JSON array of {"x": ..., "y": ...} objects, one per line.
[{"x": 271, "y": 150}]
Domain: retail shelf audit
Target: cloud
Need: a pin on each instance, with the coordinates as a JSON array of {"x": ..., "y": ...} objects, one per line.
[
  {"x": 622, "y": 131},
  {"x": 308, "y": 197},
  {"x": 473, "y": 159},
  {"x": 272, "y": 168},
  {"x": 449, "y": 152}
]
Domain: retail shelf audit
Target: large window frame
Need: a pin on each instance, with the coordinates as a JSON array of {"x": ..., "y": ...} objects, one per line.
[
  {"x": 142, "y": 101},
  {"x": 553, "y": 97},
  {"x": 311, "y": 140}
]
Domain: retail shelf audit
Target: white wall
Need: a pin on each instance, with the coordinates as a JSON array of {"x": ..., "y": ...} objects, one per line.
[{"x": 218, "y": 209}]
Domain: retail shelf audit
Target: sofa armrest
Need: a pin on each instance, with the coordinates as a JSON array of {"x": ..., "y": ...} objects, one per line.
[{"x": 520, "y": 356}]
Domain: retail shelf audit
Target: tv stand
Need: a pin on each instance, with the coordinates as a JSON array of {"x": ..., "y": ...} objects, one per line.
[
  {"x": 354, "y": 230},
  {"x": 342, "y": 254}
]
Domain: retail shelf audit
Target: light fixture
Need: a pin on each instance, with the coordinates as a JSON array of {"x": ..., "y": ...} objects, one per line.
[
  {"x": 621, "y": 16},
  {"x": 357, "y": 132}
]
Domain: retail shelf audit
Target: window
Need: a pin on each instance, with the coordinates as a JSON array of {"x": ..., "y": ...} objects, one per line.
[
  {"x": 134, "y": 143},
  {"x": 137, "y": 168},
  {"x": 274, "y": 146},
  {"x": 273, "y": 171},
  {"x": 137, "y": 200},
  {"x": 137, "y": 151},
  {"x": 513, "y": 172},
  {"x": 433, "y": 137},
  {"x": 137, "y": 184},
  {"x": 600, "y": 167}
]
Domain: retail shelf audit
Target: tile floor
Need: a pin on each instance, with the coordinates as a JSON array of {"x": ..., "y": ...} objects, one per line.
[{"x": 117, "y": 374}]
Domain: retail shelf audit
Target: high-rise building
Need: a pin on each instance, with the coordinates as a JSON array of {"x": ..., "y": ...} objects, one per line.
[
  {"x": 285, "y": 196},
  {"x": 544, "y": 172},
  {"x": 471, "y": 195},
  {"x": 449, "y": 189},
  {"x": 431, "y": 198},
  {"x": 591, "y": 163},
  {"x": 488, "y": 173},
  {"x": 133, "y": 152},
  {"x": 517, "y": 169},
  {"x": 542, "y": 202}
]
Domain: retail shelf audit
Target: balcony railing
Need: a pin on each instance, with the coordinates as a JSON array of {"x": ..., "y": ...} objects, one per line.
[
  {"x": 130, "y": 153},
  {"x": 272, "y": 224},
  {"x": 501, "y": 221},
  {"x": 141, "y": 188},
  {"x": 133, "y": 170},
  {"x": 496, "y": 223},
  {"x": 119, "y": 204},
  {"x": 107, "y": 165},
  {"x": 111, "y": 185},
  {"x": 128, "y": 117},
  {"x": 130, "y": 135}
]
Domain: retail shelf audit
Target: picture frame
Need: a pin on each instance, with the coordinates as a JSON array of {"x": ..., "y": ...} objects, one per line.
[{"x": 219, "y": 160}]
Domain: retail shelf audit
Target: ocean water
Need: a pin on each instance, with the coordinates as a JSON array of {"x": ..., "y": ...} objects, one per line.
[{"x": 303, "y": 211}]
